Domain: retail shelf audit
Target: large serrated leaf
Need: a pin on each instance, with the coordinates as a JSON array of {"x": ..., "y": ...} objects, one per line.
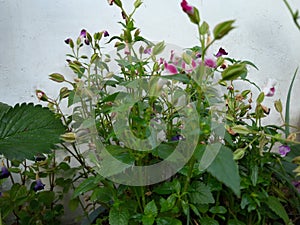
[
  {"x": 26, "y": 130},
  {"x": 3, "y": 109},
  {"x": 225, "y": 169}
]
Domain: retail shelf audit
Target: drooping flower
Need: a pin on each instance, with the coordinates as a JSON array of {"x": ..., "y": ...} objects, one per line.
[
  {"x": 67, "y": 41},
  {"x": 210, "y": 63},
  {"x": 4, "y": 172},
  {"x": 221, "y": 52},
  {"x": 105, "y": 33},
  {"x": 284, "y": 150},
  {"x": 83, "y": 33},
  {"x": 269, "y": 88},
  {"x": 38, "y": 185},
  {"x": 110, "y": 2}
]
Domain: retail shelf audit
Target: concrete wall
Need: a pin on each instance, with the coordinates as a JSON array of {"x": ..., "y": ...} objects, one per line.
[{"x": 33, "y": 32}]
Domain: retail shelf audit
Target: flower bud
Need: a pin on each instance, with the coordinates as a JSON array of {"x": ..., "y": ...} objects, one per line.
[
  {"x": 41, "y": 95},
  {"x": 57, "y": 77}
]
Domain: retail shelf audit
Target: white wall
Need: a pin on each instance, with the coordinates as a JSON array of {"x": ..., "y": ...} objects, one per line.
[{"x": 33, "y": 32}]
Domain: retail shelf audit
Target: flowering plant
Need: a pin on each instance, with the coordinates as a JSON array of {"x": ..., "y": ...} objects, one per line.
[{"x": 166, "y": 140}]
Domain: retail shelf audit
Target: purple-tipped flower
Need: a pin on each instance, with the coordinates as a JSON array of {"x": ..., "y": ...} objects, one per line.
[
  {"x": 269, "y": 88},
  {"x": 105, "y": 33},
  {"x": 38, "y": 185},
  {"x": 83, "y": 33},
  {"x": 221, "y": 52},
  {"x": 284, "y": 150},
  {"x": 210, "y": 63},
  {"x": 4, "y": 172}
]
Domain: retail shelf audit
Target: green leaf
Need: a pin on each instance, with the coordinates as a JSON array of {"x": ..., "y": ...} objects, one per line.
[
  {"x": 87, "y": 185},
  {"x": 118, "y": 215},
  {"x": 151, "y": 209},
  {"x": 168, "y": 221},
  {"x": 234, "y": 71},
  {"x": 225, "y": 169},
  {"x": 222, "y": 29},
  {"x": 27, "y": 130},
  {"x": 235, "y": 222},
  {"x": 3, "y": 109},
  {"x": 287, "y": 106},
  {"x": 199, "y": 193},
  {"x": 218, "y": 210},
  {"x": 277, "y": 207},
  {"x": 260, "y": 98},
  {"x": 209, "y": 155},
  {"x": 178, "y": 77},
  {"x": 208, "y": 221}
]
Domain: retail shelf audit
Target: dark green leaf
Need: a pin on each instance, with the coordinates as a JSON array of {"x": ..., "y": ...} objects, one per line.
[
  {"x": 118, "y": 216},
  {"x": 87, "y": 185},
  {"x": 208, "y": 221},
  {"x": 277, "y": 207},
  {"x": 168, "y": 221},
  {"x": 27, "y": 130},
  {"x": 225, "y": 169},
  {"x": 199, "y": 193}
]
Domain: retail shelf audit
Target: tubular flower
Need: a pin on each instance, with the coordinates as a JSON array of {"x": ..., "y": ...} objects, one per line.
[
  {"x": 269, "y": 88},
  {"x": 4, "y": 172},
  {"x": 105, "y": 33},
  {"x": 171, "y": 68},
  {"x": 191, "y": 11},
  {"x": 186, "y": 7},
  {"x": 221, "y": 52},
  {"x": 210, "y": 63},
  {"x": 284, "y": 150},
  {"x": 38, "y": 185}
]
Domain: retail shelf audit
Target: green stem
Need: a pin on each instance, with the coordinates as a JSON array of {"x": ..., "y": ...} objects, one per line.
[{"x": 294, "y": 15}]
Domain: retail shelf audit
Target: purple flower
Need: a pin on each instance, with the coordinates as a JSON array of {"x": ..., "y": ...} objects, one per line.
[
  {"x": 221, "y": 52},
  {"x": 86, "y": 41},
  {"x": 38, "y": 185},
  {"x": 178, "y": 137},
  {"x": 148, "y": 51},
  {"x": 186, "y": 7},
  {"x": 4, "y": 173},
  {"x": 105, "y": 33},
  {"x": 210, "y": 63},
  {"x": 83, "y": 33},
  {"x": 284, "y": 150},
  {"x": 296, "y": 185},
  {"x": 67, "y": 41}
]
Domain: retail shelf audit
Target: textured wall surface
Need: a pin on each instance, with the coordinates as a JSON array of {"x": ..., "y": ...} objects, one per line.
[{"x": 33, "y": 32}]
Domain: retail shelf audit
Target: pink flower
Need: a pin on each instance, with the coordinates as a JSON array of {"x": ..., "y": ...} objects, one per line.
[
  {"x": 269, "y": 88},
  {"x": 210, "y": 63},
  {"x": 284, "y": 150},
  {"x": 171, "y": 68},
  {"x": 187, "y": 8}
]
